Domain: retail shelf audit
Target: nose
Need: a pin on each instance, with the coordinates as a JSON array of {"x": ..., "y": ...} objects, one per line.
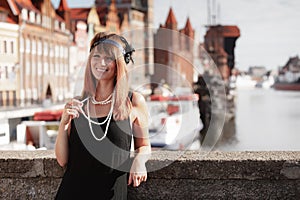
[{"x": 102, "y": 61}]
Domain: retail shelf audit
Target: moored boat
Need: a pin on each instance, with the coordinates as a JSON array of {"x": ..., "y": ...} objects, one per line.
[
  {"x": 174, "y": 121},
  {"x": 287, "y": 86}
]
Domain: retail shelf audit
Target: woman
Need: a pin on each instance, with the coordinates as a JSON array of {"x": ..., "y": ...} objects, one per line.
[{"x": 94, "y": 136}]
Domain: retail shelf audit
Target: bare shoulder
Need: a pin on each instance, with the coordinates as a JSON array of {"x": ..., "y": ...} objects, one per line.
[
  {"x": 139, "y": 108},
  {"x": 138, "y": 100}
]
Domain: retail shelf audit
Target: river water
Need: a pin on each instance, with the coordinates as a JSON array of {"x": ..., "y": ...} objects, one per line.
[{"x": 266, "y": 120}]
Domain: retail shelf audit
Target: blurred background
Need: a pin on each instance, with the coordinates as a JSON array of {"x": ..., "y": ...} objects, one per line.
[{"x": 216, "y": 74}]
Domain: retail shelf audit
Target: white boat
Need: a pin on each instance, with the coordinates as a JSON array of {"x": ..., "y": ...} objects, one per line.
[{"x": 174, "y": 121}]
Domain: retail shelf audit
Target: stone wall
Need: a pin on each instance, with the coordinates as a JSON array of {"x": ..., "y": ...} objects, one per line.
[{"x": 186, "y": 175}]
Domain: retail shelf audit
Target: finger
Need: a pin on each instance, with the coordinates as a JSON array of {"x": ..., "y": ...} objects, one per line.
[
  {"x": 74, "y": 103},
  {"x": 72, "y": 113},
  {"x": 136, "y": 181},
  {"x": 77, "y": 102},
  {"x": 73, "y": 107},
  {"x": 130, "y": 179}
]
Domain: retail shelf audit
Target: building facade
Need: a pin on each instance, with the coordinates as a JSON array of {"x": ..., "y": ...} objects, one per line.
[
  {"x": 9, "y": 62},
  {"x": 174, "y": 54},
  {"x": 219, "y": 42},
  {"x": 132, "y": 19},
  {"x": 43, "y": 52}
]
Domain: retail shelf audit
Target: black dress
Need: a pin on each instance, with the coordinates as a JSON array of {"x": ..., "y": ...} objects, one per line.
[{"x": 97, "y": 169}]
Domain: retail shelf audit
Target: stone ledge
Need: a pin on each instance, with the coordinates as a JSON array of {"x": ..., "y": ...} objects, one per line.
[{"x": 181, "y": 175}]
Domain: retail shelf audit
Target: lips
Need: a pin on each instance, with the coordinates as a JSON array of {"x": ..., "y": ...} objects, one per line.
[{"x": 101, "y": 69}]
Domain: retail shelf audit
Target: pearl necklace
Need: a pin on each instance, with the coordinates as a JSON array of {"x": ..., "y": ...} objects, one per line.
[
  {"x": 108, "y": 118},
  {"x": 104, "y": 102}
]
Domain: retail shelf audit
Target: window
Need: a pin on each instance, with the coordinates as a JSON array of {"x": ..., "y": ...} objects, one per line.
[
  {"x": 31, "y": 16},
  {"x": 5, "y": 47},
  {"x": 45, "y": 49},
  {"x": 46, "y": 68},
  {"x": 38, "y": 19},
  {"x": 39, "y": 68},
  {"x": 27, "y": 45},
  {"x": 57, "y": 71},
  {"x": 12, "y": 74},
  {"x": 56, "y": 51},
  {"x": 65, "y": 52},
  {"x": 24, "y": 14},
  {"x": 6, "y": 72},
  {"x": 21, "y": 44},
  {"x": 56, "y": 24},
  {"x": 12, "y": 47},
  {"x": 33, "y": 46},
  {"x": 39, "y": 47},
  {"x": 51, "y": 50},
  {"x": 63, "y": 26},
  {"x": 33, "y": 68},
  {"x": 61, "y": 51},
  {"x": 27, "y": 68}
]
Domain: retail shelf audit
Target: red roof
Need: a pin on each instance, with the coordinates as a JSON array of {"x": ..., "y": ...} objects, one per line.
[
  {"x": 188, "y": 25},
  {"x": 171, "y": 18},
  {"x": 79, "y": 13},
  {"x": 26, "y": 4},
  {"x": 223, "y": 31},
  {"x": 63, "y": 6},
  {"x": 188, "y": 29},
  {"x": 10, "y": 20}
]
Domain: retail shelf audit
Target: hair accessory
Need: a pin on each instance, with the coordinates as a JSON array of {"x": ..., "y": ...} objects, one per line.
[
  {"x": 108, "y": 41},
  {"x": 127, "y": 52}
]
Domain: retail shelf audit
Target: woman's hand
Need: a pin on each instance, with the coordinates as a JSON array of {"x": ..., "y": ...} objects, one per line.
[
  {"x": 71, "y": 110},
  {"x": 138, "y": 173}
]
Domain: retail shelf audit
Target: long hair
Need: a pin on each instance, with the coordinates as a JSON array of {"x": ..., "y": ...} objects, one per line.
[{"x": 122, "y": 105}]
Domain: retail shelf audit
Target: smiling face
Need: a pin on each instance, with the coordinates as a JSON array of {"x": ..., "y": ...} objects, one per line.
[{"x": 103, "y": 65}]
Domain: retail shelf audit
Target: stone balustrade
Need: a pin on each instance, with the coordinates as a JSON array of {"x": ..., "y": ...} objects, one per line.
[{"x": 181, "y": 175}]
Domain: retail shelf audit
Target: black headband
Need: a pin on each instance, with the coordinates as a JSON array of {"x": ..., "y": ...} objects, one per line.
[{"x": 127, "y": 52}]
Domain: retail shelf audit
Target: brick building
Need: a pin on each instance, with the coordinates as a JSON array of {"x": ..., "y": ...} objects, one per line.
[
  {"x": 219, "y": 42},
  {"x": 173, "y": 53}
]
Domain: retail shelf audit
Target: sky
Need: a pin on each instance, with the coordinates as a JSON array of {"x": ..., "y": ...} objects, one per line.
[{"x": 270, "y": 29}]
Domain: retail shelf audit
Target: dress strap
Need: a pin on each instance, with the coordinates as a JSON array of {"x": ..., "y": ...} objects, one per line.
[{"x": 130, "y": 95}]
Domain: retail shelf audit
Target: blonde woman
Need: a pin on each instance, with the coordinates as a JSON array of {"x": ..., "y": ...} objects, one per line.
[{"x": 96, "y": 129}]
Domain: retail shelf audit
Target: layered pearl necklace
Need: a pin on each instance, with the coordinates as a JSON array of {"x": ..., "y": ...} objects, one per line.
[
  {"x": 108, "y": 118},
  {"x": 104, "y": 102}
]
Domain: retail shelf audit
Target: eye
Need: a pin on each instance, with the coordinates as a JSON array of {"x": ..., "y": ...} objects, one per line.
[{"x": 108, "y": 59}]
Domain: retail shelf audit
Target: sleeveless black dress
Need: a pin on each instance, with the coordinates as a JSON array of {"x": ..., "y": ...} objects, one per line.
[{"x": 97, "y": 169}]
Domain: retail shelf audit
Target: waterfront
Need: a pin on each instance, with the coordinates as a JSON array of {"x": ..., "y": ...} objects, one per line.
[{"x": 266, "y": 120}]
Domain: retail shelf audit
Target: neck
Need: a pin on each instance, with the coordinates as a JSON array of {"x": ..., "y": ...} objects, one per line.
[{"x": 103, "y": 90}]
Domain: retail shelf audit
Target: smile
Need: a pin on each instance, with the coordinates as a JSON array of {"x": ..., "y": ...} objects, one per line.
[{"x": 101, "y": 69}]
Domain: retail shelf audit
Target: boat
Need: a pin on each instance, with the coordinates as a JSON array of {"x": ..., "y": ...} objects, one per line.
[
  {"x": 286, "y": 86},
  {"x": 41, "y": 132},
  {"x": 174, "y": 121}
]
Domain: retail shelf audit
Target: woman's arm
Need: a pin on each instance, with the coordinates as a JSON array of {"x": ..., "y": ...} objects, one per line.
[
  {"x": 71, "y": 110},
  {"x": 61, "y": 144},
  {"x": 138, "y": 172}
]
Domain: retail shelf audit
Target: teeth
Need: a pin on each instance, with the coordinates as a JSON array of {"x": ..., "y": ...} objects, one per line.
[{"x": 101, "y": 69}]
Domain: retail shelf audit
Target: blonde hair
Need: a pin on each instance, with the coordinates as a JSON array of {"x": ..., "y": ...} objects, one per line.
[{"x": 122, "y": 105}]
